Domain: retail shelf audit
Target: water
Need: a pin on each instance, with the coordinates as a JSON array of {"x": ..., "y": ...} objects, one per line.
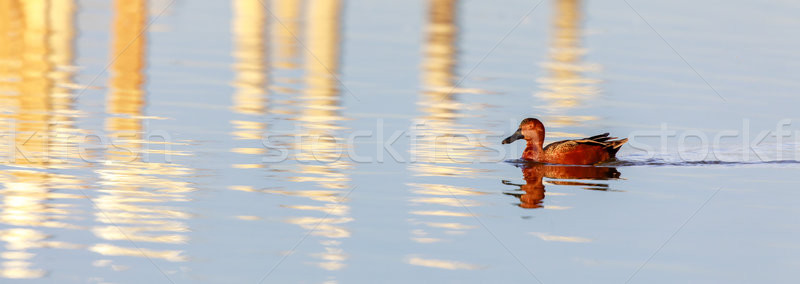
[{"x": 213, "y": 148}]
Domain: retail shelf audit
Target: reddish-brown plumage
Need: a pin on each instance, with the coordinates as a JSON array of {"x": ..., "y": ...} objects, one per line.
[
  {"x": 533, "y": 191},
  {"x": 587, "y": 151}
]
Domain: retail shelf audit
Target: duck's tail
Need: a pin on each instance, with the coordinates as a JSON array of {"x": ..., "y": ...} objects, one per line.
[
  {"x": 615, "y": 145},
  {"x": 606, "y": 141}
]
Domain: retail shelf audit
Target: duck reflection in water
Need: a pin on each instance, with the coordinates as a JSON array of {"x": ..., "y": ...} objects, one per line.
[{"x": 532, "y": 193}]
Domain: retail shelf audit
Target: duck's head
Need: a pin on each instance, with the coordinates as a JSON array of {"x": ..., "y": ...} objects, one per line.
[{"x": 529, "y": 129}]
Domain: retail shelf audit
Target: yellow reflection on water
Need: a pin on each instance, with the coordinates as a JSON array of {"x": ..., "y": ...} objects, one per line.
[
  {"x": 35, "y": 54},
  {"x": 438, "y": 144},
  {"x": 565, "y": 86},
  {"x": 16, "y": 262},
  {"x": 442, "y": 189},
  {"x": 319, "y": 117},
  {"x": 249, "y": 53},
  {"x": 319, "y": 157},
  {"x": 33, "y": 101},
  {"x": 112, "y": 250},
  {"x": 285, "y": 31},
  {"x": 438, "y": 211},
  {"x": 132, "y": 205},
  {"x": 250, "y": 95},
  {"x": 555, "y": 238},
  {"x": 441, "y": 263},
  {"x": 317, "y": 170},
  {"x": 61, "y": 41}
]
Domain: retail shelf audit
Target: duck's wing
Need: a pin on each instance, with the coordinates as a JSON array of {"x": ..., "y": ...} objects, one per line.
[
  {"x": 586, "y": 151},
  {"x": 560, "y": 145},
  {"x": 599, "y": 138},
  {"x": 602, "y": 140}
]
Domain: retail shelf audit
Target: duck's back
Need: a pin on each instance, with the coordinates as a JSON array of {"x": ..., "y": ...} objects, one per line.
[{"x": 586, "y": 151}]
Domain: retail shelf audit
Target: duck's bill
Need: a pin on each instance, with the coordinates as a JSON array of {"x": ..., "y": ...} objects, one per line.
[{"x": 514, "y": 137}]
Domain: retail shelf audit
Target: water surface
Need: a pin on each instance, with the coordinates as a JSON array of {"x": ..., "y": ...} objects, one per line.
[{"x": 207, "y": 141}]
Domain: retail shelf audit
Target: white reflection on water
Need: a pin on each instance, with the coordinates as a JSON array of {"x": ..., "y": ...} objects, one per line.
[
  {"x": 557, "y": 238},
  {"x": 441, "y": 264}
]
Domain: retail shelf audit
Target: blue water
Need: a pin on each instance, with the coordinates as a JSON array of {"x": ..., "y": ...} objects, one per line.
[{"x": 359, "y": 141}]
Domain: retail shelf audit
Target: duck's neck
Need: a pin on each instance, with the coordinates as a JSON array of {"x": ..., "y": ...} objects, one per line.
[{"x": 533, "y": 151}]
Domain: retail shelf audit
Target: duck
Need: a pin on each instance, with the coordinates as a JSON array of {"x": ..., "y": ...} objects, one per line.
[{"x": 587, "y": 151}]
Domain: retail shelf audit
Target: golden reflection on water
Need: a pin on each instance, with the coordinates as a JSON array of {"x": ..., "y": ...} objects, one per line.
[
  {"x": 250, "y": 65},
  {"x": 135, "y": 205},
  {"x": 35, "y": 58},
  {"x": 287, "y": 13},
  {"x": 140, "y": 201},
  {"x": 564, "y": 239},
  {"x": 285, "y": 33},
  {"x": 441, "y": 263},
  {"x": 565, "y": 87},
  {"x": 319, "y": 159},
  {"x": 33, "y": 99},
  {"x": 250, "y": 95},
  {"x": 62, "y": 38},
  {"x": 438, "y": 208},
  {"x": 317, "y": 169},
  {"x": 438, "y": 145}
]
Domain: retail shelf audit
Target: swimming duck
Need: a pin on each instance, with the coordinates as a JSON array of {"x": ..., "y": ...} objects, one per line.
[{"x": 586, "y": 151}]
